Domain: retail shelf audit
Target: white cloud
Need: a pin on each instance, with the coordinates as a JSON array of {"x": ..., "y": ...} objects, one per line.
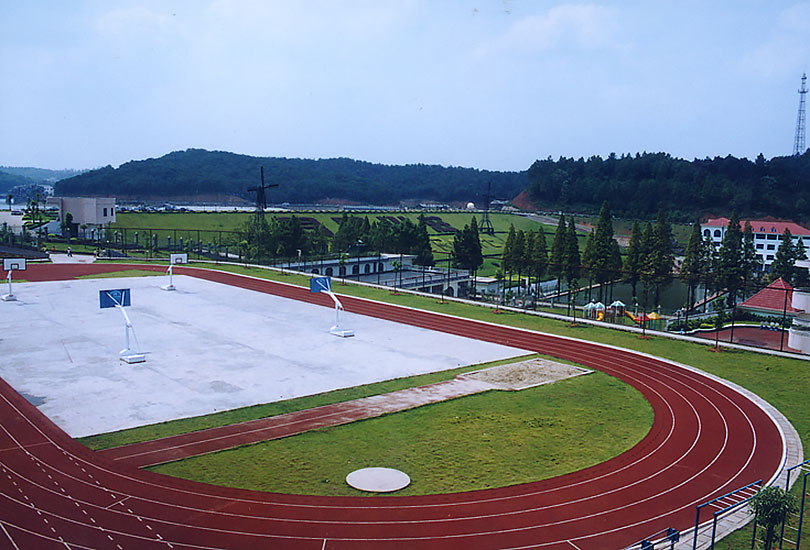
[{"x": 586, "y": 26}]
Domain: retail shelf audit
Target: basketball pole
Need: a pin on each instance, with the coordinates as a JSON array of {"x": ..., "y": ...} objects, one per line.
[{"x": 10, "y": 296}]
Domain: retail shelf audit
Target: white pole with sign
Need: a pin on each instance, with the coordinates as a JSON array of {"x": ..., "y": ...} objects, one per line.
[
  {"x": 10, "y": 264},
  {"x": 324, "y": 284},
  {"x": 120, "y": 299},
  {"x": 174, "y": 259}
]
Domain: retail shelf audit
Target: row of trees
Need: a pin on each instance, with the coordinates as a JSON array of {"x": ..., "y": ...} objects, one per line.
[
  {"x": 467, "y": 252},
  {"x": 525, "y": 252},
  {"x": 649, "y": 257},
  {"x": 284, "y": 238},
  {"x": 263, "y": 240},
  {"x": 357, "y": 235},
  {"x": 652, "y": 181}
]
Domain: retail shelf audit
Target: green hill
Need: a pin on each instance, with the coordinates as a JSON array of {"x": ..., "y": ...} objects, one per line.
[
  {"x": 197, "y": 173},
  {"x": 7, "y": 181},
  {"x": 640, "y": 185}
]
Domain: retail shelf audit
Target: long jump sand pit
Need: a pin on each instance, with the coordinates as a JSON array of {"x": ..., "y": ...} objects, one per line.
[{"x": 210, "y": 347}]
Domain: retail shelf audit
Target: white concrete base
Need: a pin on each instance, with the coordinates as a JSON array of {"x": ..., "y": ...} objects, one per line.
[
  {"x": 378, "y": 480},
  {"x": 133, "y": 358},
  {"x": 168, "y": 287},
  {"x": 343, "y": 333},
  {"x": 8, "y": 298}
]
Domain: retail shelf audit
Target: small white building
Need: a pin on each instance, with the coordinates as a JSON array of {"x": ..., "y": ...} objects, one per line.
[
  {"x": 91, "y": 211},
  {"x": 767, "y": 235}
]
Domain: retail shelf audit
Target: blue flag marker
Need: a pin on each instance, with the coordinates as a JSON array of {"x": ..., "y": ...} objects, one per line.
[
  {"x": 112, "y": 298},
  {"x": 320, "y": 284}
]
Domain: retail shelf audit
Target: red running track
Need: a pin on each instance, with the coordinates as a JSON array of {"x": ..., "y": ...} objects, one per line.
[{"x": 706, "y": 439}]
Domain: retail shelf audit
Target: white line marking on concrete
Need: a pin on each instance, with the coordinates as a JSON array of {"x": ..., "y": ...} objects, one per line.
[{"x": 66, "y": 351}]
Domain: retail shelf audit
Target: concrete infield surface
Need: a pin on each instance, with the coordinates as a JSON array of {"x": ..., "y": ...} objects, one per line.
[{"x": 210, "y": 347}]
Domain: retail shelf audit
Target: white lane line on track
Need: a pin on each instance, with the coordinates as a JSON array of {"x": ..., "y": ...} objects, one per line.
[
  {"x": 119, "y": 501},
  {"x": 14, "y": 544},
  {"x": 29, "y": 446},
  {"x": 574, "y": 545}
]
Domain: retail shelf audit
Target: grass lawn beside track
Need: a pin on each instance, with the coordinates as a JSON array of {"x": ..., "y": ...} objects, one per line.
[{"x": 481, "y": 441}]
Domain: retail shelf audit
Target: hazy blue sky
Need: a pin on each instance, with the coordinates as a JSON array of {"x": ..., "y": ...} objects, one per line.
[{"x": 487, "y": 84}]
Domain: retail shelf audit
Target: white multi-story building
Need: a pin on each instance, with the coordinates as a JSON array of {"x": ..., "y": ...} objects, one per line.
[
  {"x": 767, "y": 235},
  {"x": 94, "y": 211}
]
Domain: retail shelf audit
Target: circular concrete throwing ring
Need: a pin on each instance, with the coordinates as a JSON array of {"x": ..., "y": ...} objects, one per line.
[{"x": 378, "y": 480}]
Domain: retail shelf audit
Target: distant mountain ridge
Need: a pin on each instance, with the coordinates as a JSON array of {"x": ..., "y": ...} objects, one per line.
[
  {"x": 197, "y": 172},
  {"x": 8, "y": 181},
  {"x": 40, "y": 175}
]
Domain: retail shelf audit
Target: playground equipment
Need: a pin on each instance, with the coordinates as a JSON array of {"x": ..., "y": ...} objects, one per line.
[
  {"x": 119, "y": 299},
  {"x": 10, "y": 264},
  {"x": 595, "y": 310},
  {"x": 174, "y": 259},
  {"x": 324, "y": 284}
]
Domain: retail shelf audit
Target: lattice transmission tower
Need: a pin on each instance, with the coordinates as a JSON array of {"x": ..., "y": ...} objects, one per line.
[{"x": 799, "y": 146}]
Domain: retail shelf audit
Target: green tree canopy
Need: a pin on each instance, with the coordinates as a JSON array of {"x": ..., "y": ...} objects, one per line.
[
  {"x": 558, "y": 250},
  {"x": 771, "y": 505},
  {"x": 633, "y": 258},
  {"x": 730, "y": 271}
]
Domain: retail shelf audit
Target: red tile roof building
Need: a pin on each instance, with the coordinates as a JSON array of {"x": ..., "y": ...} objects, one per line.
[
  {"x": 767, "y": 235},
  {"x": 773, "y": 299}
]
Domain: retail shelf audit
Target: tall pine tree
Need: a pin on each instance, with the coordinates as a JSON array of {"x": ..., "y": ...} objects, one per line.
[
  {"x": 421, "y": 246},
  {"x": 600, "y": 263},
  {"x": 571, "y": 260},
  {"x": 589, "y": 260},
  {"x": 750, "y": 263},
  {"x": 730, "y": 270},
  {"x": 633, "y": 259},
  {"x": 692, "y": 265},
  {"x": 557, "y": 254},
  {"x": 665, "y": 259},
  {"x": 508, "y": 256},
  {"x": 784, "y": 262}
]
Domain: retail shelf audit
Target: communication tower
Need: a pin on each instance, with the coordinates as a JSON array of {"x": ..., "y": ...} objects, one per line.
[{"x": 799, "y": 146}]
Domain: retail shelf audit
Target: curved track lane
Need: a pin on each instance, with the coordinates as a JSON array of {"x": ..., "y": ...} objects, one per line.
[{"x": 706, "y": 439}]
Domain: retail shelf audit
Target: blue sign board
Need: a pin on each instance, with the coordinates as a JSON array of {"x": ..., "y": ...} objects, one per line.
[
  {"x": 112, "y": 298},
  {"x": 319, "y": 284}
]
